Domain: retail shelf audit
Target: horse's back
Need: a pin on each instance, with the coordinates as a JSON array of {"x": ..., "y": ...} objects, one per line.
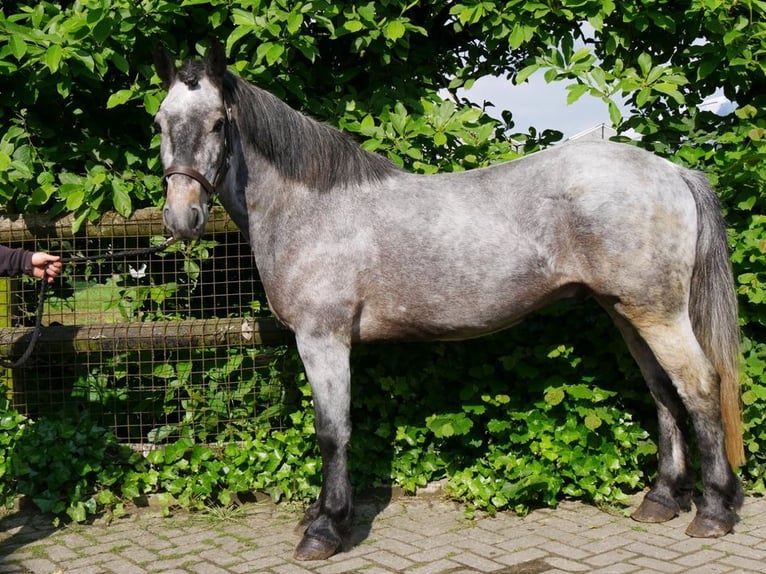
[{"x": 581, "y": 213}]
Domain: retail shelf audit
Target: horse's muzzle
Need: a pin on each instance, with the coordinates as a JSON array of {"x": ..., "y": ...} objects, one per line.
[
  {"x": 186, "y": 211},
  {"x": 189, "y": 224}
]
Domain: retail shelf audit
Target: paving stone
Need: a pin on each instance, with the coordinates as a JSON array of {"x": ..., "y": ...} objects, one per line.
[
  {"x": 619, "y": 555},
  {"x": 650, "y": 563},
  {"x": 658, "y": 552},
  {"x": 567, "y": 565},
  {"x": 289, "y": 569},
  {"x": 123, "y": 567},
  {"x": 435, "y": 567},
  {"x": 59, "y": 553},
  {"x": 411, "y": 536},
  {"x": 91, "y": 569},
  {"x": 617, "y": 568},
  {"x": 716, "y": 568},
  {"x": 743, "y": 564},
  {"x": 390, "y": 560}
]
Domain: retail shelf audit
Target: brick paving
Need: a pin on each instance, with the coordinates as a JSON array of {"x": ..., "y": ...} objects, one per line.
[{"x": 420, "y": 535}]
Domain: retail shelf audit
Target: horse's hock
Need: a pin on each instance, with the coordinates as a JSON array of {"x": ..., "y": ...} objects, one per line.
[{"x": 146, "y": 343}]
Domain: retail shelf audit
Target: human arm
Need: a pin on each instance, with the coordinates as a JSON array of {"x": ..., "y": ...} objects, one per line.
[{"x": 14, "y": 261}]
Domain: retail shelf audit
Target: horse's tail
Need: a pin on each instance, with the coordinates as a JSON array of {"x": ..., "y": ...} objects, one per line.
[{"x": 713, "y": 309}]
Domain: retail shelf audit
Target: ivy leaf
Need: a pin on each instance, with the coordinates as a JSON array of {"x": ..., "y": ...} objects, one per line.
[
  {"x": 592, "y": 422},
  {"x": 448, "y": 425},
  {"x": 554, "y": 396}
]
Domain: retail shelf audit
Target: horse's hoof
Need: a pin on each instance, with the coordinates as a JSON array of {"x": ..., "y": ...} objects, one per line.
[
  {"x": 703, "y": 527},
  {"x": 311, "y": 548},
  {"x": 651, "y": 511}
]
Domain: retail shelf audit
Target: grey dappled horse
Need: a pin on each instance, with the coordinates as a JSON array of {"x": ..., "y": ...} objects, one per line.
[{"x": 352, "y": 249}]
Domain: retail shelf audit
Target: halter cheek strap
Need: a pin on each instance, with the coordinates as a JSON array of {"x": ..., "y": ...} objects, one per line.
[{"x": 223, "y": 165}]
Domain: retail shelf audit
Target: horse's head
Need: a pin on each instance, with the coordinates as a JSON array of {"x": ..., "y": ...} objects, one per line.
[{"x": 194, "y": 124}]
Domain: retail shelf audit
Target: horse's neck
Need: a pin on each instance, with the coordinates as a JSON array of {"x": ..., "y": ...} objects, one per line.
[{"x": 232, "y": 193}]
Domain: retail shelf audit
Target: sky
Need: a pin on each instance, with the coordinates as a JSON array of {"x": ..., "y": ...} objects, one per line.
[
  {"x": 544, "y": 106},
  {"x": 539, "y": 104}
]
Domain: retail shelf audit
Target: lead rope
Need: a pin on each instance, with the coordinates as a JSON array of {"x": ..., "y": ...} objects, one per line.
[{"x": 37, "y": 331}]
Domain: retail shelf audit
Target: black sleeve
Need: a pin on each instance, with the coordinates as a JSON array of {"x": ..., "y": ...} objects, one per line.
[{"x": 14, "y": 261}]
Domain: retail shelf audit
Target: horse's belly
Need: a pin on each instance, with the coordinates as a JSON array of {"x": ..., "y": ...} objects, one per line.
[{"x": 441, "y": 317}]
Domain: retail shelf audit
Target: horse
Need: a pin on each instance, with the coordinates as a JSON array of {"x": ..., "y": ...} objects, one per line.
[{"x": 352, "y": 249}]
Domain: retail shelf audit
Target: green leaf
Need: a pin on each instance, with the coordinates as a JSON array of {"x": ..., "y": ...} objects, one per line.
[
  {"x": 367, "y": 125},
  {"x": 645, "y": 63},
  {"x": 669, "y": 90},
  {"x": 582, "y": 55},
  {"x": 525, "y": 73},
  {"x": 53, "y": 57},
  {"x": 575, "y": 92},
  {"x": 554, "y": 396},
  {"x": 352, "y": 26},
  {"x": 394, "y": 30},
  {"x": 294, "y": 22},
  {"x": 592, "y": 422},
  {"x": 152, "y": 103},
  {"x": 121, "y": 198},
  {"x": 118, "y": 98},
  {"x": 18, "y": 46},
  {"x": 516, "y": 37},
  {"x": 75, "y": 199},
  {"x": 120, "y": 63},
  {"x": 615, "y": 115},
  {"x": 274, "y": 53}
]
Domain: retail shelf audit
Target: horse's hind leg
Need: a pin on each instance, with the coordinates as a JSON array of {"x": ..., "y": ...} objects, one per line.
[
  {"x": 674, "y": 345},
  {"x": 326, "y": 361},
  {"x": 673, "y": 487}
]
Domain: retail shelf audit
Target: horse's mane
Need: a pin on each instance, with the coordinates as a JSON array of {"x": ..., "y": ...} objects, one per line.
[{"x": 302, "y": 149}]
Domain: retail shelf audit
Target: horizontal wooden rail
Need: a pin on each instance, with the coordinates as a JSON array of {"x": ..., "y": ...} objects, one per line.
[
  {"x": 157, "y": 336},
  {"x": 142, "y": 223}
]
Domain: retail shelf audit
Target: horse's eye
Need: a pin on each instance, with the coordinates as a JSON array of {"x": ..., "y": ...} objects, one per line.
[
  {"x": 218, "y": 126},
  {"x": 157, "y": 127}
]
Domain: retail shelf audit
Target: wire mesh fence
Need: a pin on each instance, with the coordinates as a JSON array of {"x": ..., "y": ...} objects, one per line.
[{"x": 156, "y": 347}]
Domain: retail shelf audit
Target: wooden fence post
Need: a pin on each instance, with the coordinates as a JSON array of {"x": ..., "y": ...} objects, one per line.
[{"x": 6, "y": 320}]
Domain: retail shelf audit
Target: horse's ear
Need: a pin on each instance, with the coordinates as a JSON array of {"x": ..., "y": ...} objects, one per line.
[
  {"x": 216, "y": 62},
  {"x": 164, "y": 65}
]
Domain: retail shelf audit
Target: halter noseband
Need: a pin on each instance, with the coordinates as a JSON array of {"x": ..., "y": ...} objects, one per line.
[{"x": 223, "y": 164}]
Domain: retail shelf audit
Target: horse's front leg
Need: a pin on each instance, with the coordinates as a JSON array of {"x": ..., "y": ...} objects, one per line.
[{"x": 326, "y": 360}]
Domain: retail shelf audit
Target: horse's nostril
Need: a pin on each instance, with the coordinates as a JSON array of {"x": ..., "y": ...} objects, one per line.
[{"x": 196, "y": 217}]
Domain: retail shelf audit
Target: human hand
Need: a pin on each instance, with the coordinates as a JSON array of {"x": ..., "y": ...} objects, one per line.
[{"x": 45, "y": 265}]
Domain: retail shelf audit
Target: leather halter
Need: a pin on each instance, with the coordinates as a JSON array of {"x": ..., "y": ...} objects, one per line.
[{"x": 220, "y": 172}]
